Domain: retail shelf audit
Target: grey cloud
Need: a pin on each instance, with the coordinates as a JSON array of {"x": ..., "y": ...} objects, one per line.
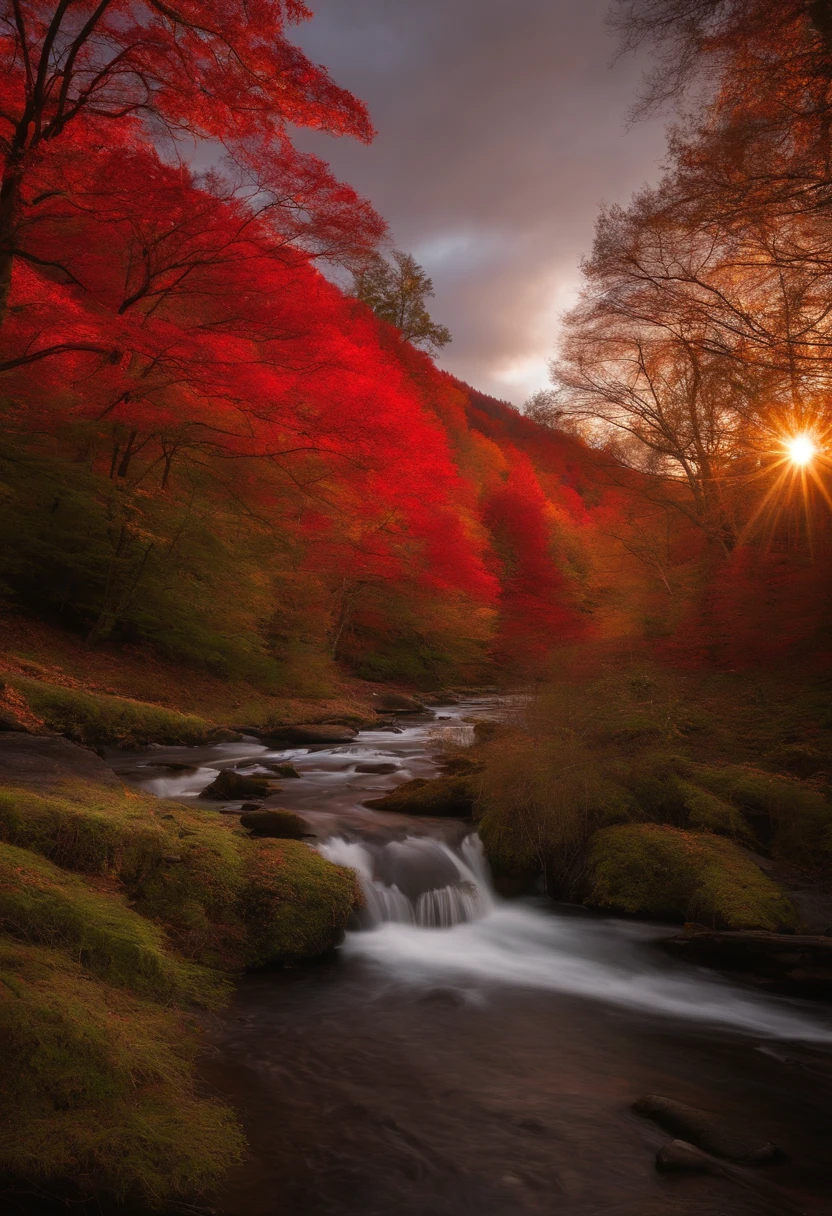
[{"x": 502, "y": 127}]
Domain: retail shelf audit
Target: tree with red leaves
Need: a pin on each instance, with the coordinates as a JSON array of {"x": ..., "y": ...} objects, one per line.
[{"x": 78, "y": 74}]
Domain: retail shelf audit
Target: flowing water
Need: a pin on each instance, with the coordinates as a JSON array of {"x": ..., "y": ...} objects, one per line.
[{"x": 465, "y": 1054}]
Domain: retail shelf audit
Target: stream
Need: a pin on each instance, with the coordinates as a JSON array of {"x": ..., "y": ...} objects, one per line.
[{"x": 466, "y": 1055}]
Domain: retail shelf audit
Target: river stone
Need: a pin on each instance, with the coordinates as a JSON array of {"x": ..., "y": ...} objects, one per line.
[
  {"x": 229, "y": 784},
  {"x": 796, "y": 962},
  {"x": 677, "y": 1156},
  {"x": 283, "y": 770},
  {"x": 373, "y": 767},
  {"x": 396, "y": 703},
  {"x": 416, "y": 866},
  {"x": 324, "y": 732},
  {"x": 277, "y": 823},
  {"x": 44, "y": 761},
  {"x": 708, "y": 1131}
]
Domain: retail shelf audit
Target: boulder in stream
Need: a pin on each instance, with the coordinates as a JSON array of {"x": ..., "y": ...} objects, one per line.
[
  {"x": 276, "y": 823},
  {"x": 714, "y": 1133},
  {"x": 678, "y": 1156},
  {"x": 795, "y": 962},
  {"x": 283, "y": 770},
  {"x": 230, "y": 785},
  {"x": 376, "y": 766}
]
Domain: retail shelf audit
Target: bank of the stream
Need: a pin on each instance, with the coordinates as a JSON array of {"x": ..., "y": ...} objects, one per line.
[
  {"x": 487, "y": 1067},
  {"x": 460, "y": 1053}
]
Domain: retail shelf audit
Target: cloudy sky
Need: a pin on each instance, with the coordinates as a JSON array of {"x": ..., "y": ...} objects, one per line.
[{"x": 501, "y": 128}]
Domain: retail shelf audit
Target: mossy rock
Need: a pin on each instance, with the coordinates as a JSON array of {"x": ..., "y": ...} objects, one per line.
[
  {"x": 452, "y": 796},
  {"x": 708, "y": 813},
  {"x": 275, "y": 823},
  {"x": 797, "y": 817},
  {"x": 228, "y": 786},
  {"x": 284, "y": 770},
  {"x": 187, "y": 871},
  {"x": 99, "y": 719},
  {"x": 666, "y": 873},
  {"x": 295, "y": 903}
]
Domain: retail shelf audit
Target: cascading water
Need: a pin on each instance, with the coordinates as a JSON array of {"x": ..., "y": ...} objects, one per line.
[{"x": 417, "y": 881}]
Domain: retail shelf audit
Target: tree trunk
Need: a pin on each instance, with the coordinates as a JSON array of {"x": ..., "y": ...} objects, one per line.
[{"x": 9, "y": 213}]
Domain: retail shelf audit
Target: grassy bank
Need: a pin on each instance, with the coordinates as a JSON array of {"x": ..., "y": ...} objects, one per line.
[
  {"x": 688, "y": 797},
  {"x": 121, "y": 916},
  {"x": 127, "y": 695}
]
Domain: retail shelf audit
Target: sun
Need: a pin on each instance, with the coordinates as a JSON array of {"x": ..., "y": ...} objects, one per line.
[{"x": 801, "y": 449}]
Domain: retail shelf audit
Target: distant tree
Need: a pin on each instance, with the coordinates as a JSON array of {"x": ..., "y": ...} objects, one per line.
[{"x": 396, "y": 292}]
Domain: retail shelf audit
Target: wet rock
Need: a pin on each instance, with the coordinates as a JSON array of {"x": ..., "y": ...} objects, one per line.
[
  {"x": 713, "y": 1133},
  {"x": 373, "y": 767},
  {"x": 283, "y": 770},
  {"x": 796, "y": 962},
  {"x": 396, "y": 703},
  {"x": 229, "y": 784},
  {"x": 416, "y": 866},
  {"x": 277, "y": 824},
  {"x": 172, "y": 766},
  {"x": 251, "y": 806},
  {"x": 43, "y": 761},
  {"x": 323, "y": 732},
  {"x": 677, "y": 1156}
]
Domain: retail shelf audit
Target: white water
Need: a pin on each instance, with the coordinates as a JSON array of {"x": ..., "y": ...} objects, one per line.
[
  {"x": 455, "y": 887},
  {"x": 430, "y": 911},
  {"x": 489, "y": 940}
]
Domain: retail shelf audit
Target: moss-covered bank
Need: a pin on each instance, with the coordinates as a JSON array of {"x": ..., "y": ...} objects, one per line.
[
  {"x": 120, "y": 916},
  {"x": 658, "y": 795}
]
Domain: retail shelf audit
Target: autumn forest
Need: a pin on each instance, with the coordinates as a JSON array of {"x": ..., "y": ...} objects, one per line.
[{"x": 239, "y": 494}]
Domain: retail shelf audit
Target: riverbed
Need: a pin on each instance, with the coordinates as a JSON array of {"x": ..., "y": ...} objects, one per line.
[{"x": 464, "y": 1054}]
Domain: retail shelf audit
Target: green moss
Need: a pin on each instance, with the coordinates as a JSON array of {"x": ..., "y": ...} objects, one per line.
[
  {"x": 96, "y": 719},
  {"x": 274, "y": 822},
  {"x": 441, "y": 796},
  {"x": 294, "y": 903},
  {"x": 97, "y": 956},
  {"x": 799, "y": 815},
  {"x": 185, "y": 869},
  {"x": 86, "y": 827},
  {"x": 659, "y": 871},
  {"x": 708, "y": 813},
  {"x": 97, "y": 1086},
  {"x": 40, "y": 903}
]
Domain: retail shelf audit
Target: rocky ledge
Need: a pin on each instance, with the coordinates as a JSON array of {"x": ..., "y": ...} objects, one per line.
[{"x": 792, "y": 962}]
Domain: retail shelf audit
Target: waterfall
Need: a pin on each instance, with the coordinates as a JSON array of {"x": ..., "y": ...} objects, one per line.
[{"x": 417, "y": 881}]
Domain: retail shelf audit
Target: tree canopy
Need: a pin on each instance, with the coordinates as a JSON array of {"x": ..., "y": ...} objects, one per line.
[{"x": 396, "y": 291}]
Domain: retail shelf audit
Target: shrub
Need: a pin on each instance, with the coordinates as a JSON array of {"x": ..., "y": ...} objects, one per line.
[{"x": 659, "y": 871}]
